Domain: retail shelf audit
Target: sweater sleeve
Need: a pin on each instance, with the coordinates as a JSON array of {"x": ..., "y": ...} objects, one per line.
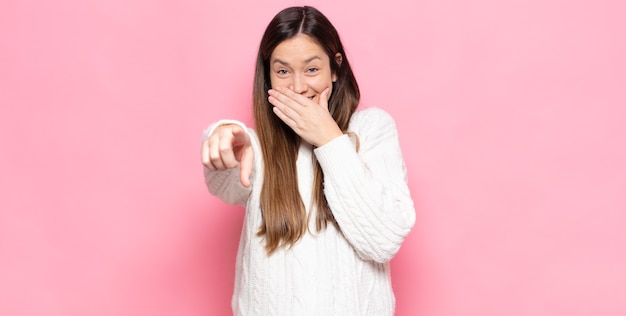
[
  {"x": 225, "y": 184},
  {"x": 367, "y": 190}
]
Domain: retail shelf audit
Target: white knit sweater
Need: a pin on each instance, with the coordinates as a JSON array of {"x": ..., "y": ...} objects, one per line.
[{"x": 327, "y": 273}]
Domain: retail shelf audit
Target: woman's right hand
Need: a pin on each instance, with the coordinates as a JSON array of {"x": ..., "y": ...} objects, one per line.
[{"x": 227, "y": 147}]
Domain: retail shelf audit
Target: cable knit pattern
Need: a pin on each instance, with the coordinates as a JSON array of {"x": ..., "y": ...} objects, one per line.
[{"x": 329, "y": 272}]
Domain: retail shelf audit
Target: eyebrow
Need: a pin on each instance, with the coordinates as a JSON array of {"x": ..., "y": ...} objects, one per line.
[{"x": 287, "y": 64}]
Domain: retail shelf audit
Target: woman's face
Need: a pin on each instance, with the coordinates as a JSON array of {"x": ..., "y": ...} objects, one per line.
[{"x": 300, "y": 64}]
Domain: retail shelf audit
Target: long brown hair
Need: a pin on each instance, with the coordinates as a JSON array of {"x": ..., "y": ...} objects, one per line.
[{"x": 283, "y": 212}]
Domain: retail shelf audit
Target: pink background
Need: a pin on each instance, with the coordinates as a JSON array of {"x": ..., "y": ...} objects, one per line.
[{"x": 512, "y": 116}]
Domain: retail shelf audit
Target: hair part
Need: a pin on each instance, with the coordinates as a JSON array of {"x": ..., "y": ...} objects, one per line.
[{"x": 284, "y": 219}]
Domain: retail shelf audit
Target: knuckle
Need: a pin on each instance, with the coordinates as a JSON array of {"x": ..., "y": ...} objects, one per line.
[
  {"x": 214, "y": 158},
  {"x": 224, "y": 148}
]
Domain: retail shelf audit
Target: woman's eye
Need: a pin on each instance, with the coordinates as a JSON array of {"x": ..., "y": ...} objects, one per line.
[
  {"x": 282, "y": 72},
  {"x": 312, "y": 70}
]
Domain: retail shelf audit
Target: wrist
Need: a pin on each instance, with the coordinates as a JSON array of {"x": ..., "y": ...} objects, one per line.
[{"x": 329, "y": 137}]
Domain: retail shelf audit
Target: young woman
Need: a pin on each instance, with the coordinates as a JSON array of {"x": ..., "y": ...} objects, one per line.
[{"x": 327, "y": 203}]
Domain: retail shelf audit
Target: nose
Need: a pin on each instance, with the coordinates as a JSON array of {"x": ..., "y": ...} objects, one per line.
[{"x": 299, "y": 84}]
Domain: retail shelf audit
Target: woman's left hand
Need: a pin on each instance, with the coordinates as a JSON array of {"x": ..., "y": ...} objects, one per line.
[{"x": 310, "y": 120}]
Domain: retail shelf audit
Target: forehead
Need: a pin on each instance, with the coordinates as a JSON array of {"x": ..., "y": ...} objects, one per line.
[{"x": 298, "y": 49}]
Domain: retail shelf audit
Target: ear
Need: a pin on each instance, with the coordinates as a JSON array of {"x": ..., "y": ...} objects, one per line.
[{"x": 338, "y": 60}]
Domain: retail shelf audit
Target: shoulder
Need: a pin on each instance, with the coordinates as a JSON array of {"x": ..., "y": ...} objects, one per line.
[
  {"x": 370, "y": 116},
  {"x": 372, "y": 122}
]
